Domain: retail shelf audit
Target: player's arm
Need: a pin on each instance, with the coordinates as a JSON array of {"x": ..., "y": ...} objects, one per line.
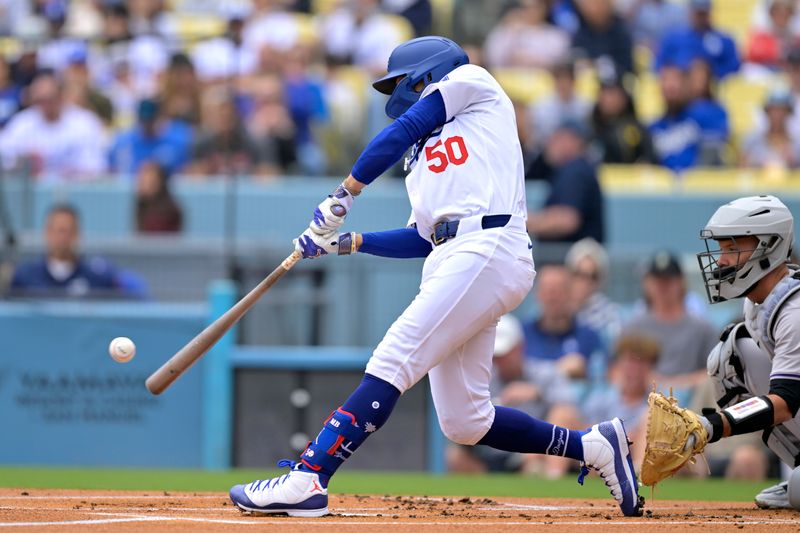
[{"x": 381, "y": 153}]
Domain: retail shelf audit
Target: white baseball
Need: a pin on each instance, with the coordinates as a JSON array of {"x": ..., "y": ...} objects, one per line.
[{"x": 122, "y": 349}]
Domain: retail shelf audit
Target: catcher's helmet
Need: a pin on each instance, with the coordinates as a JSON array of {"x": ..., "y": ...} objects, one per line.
[
  {"x": 764, "y": 217},
  {"x": 426, "y": 59}
]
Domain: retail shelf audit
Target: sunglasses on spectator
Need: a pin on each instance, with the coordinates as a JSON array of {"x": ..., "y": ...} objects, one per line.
[{"x": 592, "y": 275}]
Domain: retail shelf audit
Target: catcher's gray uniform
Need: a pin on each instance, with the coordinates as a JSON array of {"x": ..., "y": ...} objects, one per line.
[{"x": 742, "y": 367}]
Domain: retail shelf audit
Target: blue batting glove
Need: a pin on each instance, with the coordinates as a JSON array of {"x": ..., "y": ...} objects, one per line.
[
  {"x": 329, "y": 215},
  {"x": 312, "y": 245}
]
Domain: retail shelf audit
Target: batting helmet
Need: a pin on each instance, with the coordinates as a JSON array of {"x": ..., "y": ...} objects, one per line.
[
  {"x": 426, "y": 59},
  {"x": 764, "y": 217}
]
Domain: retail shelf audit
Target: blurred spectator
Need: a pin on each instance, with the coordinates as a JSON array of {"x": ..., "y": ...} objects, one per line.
[
  {"x": 573, "y": 209},
  {"x": 774, "y": 145},
  {"x": 588, "y": 262},
  {"x": 711, "y": 114},
  {"x": 122, "y": 92},
  {"x": 224, "y": 147},
  {"x": 57, "y": 51},
  {"x": 12, "y": 15},
  {"x": 685, "y": 339},
  {"x": 563, "y": 105},
  {"x": 619, "y": 137},
  {"x": 603, "y": 34},
  {"x": 513, "y": 384},
  {"x": 271, "y": 25},
  {"x": 79, "y": 91},
  {"x": 631, "y": 374},
  {"x": 62, "y": 270},
  {"x": 305, "y": 99},
  {"x": 358, "y": 33},
  {"x": 700, "y": 40},
  {"x": 155, "y": 137},
  {"x": 180, "y": 91},
  {"x": 270, "y": 122},
  {"x": 418, "y": 12},
  {"x": 768, "y": 45},
  {"x": 156, "y": 209},
  {"x": 556, "y": 339},
  {"x": 652, "y": 19},
  {"x": 25, "y": 69},
  {"x": 225, "y": 57},
  {"x": 148, "y": 17},
  {"x": 474, "y": 19},
  {"x": 53, "y": 140},
  {"x": 10, "y": 93},
  {"x": 688, "y": 134},
  {"x": 524, "y": 38}
]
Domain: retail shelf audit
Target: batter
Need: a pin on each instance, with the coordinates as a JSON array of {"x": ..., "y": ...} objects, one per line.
[{"x": 465, "y": 184}]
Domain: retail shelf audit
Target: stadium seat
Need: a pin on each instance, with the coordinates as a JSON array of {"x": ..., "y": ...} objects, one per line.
[
  {"x": 442, "y": 16},
  {"x": 524, "y": 85},
  {"x": 636, "y": 179},
  {"x": 647, "y": 96},
  {"x": 401, "y": 25},
  {"x": 743, "y": 99},
  {"x": 741, "y": 180},
  {"x": 735, "y": 17},
  {"x": 192, "y": 27}
]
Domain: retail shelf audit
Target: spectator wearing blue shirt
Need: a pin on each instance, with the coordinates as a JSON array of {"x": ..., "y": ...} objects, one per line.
[
  {"x": 63, "y": 272},
  {"x": 691, "y": 132},
  {"x": 155, "y": 138},
  {"x": 573, "y": 209},
  {"x": 699, "y": 40},
  {"x": 556, "y": 338}
]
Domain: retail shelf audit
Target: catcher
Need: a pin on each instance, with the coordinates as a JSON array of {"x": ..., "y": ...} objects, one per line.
[{"x": 755, "y": 368}]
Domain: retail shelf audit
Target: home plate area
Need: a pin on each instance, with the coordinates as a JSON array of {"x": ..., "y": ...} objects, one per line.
[{"x": 115, "y": 511}]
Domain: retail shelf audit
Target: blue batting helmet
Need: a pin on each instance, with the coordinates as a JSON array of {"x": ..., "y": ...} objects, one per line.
[{"x": 426, "y": 59}]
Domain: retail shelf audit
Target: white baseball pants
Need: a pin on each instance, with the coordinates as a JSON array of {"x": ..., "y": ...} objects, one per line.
[{"x": 448, "y": 330}]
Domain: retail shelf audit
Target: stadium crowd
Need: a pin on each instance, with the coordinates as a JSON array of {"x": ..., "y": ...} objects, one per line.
[{"x": 145, "y": 90}]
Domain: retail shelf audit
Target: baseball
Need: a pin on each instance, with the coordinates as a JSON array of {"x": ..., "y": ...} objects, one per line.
[{"x": 122, "y": 349}]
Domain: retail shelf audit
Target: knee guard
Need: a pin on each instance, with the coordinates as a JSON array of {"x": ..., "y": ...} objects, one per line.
[
  {"x": 340, "y": 437},
  {"x": 784, "y": 440}
]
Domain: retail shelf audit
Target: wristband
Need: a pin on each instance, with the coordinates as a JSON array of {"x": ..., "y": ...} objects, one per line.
[{"x": 347, "y": 243}]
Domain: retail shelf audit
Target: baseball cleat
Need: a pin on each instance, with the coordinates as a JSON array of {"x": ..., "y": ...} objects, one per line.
[
  {"x": 605, "y": 449},
  {"x": 297, "y": 493},
  {"x": 774, "y": 497}
]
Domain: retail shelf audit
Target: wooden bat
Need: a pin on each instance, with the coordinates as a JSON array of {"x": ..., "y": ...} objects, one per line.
[{"x": 197, "y": 347}]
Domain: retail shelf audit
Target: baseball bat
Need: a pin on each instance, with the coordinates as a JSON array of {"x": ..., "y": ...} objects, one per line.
[{"x": 197, "y": 347}]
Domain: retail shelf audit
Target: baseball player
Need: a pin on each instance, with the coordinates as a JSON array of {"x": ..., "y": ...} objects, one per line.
[
  {"x": 756, "y": 366},
  {"x": 465, "y": 184}
]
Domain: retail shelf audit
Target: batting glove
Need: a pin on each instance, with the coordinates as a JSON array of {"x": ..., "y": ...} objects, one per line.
[
  {"x": 329, "y": 215},
  {"x": 312, "y": 245}
]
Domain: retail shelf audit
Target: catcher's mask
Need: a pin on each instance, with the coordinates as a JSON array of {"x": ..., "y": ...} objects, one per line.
[{"x": 764, "y": 217}]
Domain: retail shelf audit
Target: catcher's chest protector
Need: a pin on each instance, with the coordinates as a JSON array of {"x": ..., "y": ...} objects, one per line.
[{"x": 760, "y": 319}]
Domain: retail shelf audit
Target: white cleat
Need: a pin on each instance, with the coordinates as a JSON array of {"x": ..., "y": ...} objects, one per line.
[
  {"x": 605, "y": 449},
  {"x": 774, "y": 497},
  {"x": 297, "y": 493}
]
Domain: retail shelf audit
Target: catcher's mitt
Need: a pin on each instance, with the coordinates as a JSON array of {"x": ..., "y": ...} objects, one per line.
[{"x": 674, "y": 436}]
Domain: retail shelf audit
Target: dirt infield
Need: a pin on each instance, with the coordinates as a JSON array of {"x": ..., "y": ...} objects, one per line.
[{"x": 117, "y": 512}]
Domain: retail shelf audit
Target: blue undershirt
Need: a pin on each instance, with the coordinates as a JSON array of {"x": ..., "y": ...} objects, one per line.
[
  {"x": 389, "y": 145},
  {"x": 381, "y": 153}
]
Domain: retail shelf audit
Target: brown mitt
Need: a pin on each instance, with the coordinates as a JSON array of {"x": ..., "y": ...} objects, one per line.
[{"x": 674, "y": 436}]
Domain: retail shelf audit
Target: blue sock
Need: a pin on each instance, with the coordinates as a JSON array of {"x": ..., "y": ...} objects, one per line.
[
  {"x": 515, "y": 431},
  {"x": 364, "y": 412}
]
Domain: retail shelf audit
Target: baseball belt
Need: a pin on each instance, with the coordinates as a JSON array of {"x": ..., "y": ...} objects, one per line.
[{"x": 446, "y": 230}]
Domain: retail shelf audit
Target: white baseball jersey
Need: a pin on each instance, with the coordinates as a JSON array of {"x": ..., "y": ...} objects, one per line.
[{"x": 472, "y": 165}]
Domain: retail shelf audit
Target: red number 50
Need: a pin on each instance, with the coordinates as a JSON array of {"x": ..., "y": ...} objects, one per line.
[{"x": 452, "y": 150}]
